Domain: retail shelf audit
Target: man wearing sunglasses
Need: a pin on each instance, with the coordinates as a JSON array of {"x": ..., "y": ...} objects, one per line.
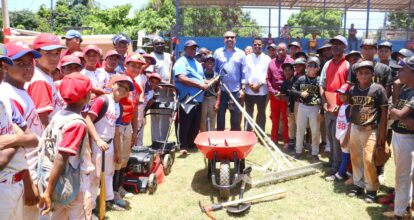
[
  {"x": 159, "y": 123},
  {"x": 232, "y": 60}
]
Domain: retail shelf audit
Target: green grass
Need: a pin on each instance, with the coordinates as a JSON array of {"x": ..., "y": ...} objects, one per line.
[{"x": 308, "y": 197}]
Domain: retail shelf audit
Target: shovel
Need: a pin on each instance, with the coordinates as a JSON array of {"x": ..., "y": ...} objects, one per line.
[
  {"x": 241, "y": 207},
  {"x": 214, "y": 207},
  {"x": 187, "y": 103}
]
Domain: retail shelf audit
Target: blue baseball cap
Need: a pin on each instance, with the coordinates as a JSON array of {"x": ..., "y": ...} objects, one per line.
[
  {"x": 3, "y": 55},
  {"x": 121, "y": 38},
  {"x": 340, "y": 38},
  {"x": 72, "y": 34},
  {"x": 17, "y": 49}
]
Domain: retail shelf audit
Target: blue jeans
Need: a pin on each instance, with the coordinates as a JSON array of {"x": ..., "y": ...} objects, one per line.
[{"x": 235, "y": 114}]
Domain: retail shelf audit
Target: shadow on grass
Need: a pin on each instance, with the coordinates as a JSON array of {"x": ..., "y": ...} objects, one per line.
[
  {"x": 375, "y": 212},
  {"x": 201, "y": 184}
]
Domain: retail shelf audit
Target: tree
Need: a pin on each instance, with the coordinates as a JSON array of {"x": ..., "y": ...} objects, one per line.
[
  {"x": 309, "y": 21},
  {"x": 398, "y": 20},
  {"x": 23, "y": 19}
]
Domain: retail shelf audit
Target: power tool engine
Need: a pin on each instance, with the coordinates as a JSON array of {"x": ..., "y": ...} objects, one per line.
[{"x": 141, "y": 160}]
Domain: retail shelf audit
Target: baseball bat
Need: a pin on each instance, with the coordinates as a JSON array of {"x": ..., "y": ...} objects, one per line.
[{"x": 102, "y": 198}]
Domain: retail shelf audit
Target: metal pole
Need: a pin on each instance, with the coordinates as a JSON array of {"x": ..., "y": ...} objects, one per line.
[
  {"x": 51, "y": 16},
  {"x": 324, "y": 14},
  {"x": 345, "y": 14},
  {"x": 409, "y": 20},
  {"x": 228, "y": 16},
  {"x": 280, "y": 18},
  {"x": 6, "y": 21},
  {"x": 368, "y": 11},
  {"x": 270, "y": 12},
  {"x": 384, "y": 26}
]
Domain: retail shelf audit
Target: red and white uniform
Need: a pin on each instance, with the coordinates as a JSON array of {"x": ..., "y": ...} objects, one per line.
[
  {"x": 97, "y": 77},
  {"x": 25, "y": 105},
  {"x": 342, "y": 124},
  {"x": 105, "y": 128},
  {"x": 43, "y": 92},
  {"x": 108, "y": 78},
  {"x": 70, "y": 143},
  {"x": 11, "y": 198}
]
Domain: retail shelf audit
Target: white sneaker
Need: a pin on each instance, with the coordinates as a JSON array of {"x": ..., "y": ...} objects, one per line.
[
  {"x": 381, "y": 179},
  {"x": 125, "y": 193}
]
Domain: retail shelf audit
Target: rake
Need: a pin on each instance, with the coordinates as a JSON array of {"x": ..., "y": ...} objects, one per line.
[{"x": 280, "y": 167}]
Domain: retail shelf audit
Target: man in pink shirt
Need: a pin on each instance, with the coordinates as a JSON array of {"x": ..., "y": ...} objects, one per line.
[{"x": 274, "y": 80}]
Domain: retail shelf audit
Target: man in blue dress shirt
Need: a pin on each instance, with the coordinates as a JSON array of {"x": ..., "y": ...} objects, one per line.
[{"x": 232, "y": 60}]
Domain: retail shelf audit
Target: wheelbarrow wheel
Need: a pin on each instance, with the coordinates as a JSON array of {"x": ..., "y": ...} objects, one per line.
[
  {"x": 152, "y": 183},
  {"x": 167, "y": 164},
  {"x": 224, "y": 179}
]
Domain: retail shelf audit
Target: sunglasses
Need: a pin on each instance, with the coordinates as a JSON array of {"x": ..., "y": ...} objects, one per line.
[
  {"x": 257, "y": 45},
  {"x": 229, "y": 37},
  {"x": 313, "y": 65},
  {"x": 159, "y": 44}
]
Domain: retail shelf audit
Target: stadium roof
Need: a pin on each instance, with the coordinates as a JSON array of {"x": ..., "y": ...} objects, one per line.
[{"x": 376, "y": 5}]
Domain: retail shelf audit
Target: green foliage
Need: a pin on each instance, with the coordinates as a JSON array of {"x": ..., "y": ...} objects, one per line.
[
  {"x": 399, "y": 20},
  {"x": 213, "y": 22},
  {"x": 23, "y": 19},
  {"x": 309, "y": 21},
  {"x": 157, "y": 16}
]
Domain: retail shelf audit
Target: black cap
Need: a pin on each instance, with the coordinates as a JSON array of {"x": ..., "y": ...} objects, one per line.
[
  {"x": 272, "y": 45},
  {"x": 284, "y": 65},
  {"x": 369, "y": 42},
  {"x": 295, "y": 43},
  {"x": 209, "y": 57},
  {"x": 385, "y": 44},
  {"x": 325, "y": 45},
  {"x": 363, "y": 64},
  {"x": 190, "y": 43},
  {"x": 353, "y": 53},
  {"x": 301, "y": 54},
  {"x": 404, "y": 52}
]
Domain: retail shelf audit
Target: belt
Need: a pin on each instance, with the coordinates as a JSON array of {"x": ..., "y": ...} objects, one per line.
[{"x": 17, "y": 177}]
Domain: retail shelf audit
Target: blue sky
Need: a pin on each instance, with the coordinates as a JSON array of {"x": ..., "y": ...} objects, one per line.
[{"x": 261, "y": 15}]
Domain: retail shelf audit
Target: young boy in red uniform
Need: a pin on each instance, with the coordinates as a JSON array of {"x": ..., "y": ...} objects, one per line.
[
  {"x": 75, "y": 90},
  {"x": 41, "y": 87},
  {"x": 106, "y": 138},
  {"x": 128, "y": 127}
]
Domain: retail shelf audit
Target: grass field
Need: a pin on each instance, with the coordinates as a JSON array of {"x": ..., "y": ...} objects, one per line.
[{"x": 308, "y": 197}]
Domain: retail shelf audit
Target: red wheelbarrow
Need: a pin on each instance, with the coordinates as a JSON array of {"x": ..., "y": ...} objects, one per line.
[{"x": 224, "y": 147}]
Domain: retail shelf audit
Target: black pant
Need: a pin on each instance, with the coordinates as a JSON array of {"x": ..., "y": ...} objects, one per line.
[
  {"x": 261, "y": 103},
  {"x": 189, "y": 126}
]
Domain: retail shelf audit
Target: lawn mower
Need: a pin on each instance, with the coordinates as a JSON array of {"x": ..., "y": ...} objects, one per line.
[
  {"x": 166, "y": 149},
  {"x": 144, "y": 171}
]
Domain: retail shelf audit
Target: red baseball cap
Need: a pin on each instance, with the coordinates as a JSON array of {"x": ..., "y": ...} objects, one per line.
[
  {"x": 124, "y": 78},
  {"x": 112, "y": 53},
  {"x": 70, "y": 59},
  {"x": 344, "y": 89},
  {"x": 78, "y": 54},
  {"x": 153, "y": 61},
  {"x": 91, "y": 47},
  {"x": 74, "y": 87},
  {"x": 154, "y": 75},
  {"x": 17, "y": 49},
  {"x": 135, "y": 57},
  {"x": 47, "y": 41}
]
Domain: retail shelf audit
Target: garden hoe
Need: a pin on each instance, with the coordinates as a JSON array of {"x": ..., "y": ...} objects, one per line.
[{"x": 240, "y": 205}]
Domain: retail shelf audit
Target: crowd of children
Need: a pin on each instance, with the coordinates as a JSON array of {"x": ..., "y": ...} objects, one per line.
[{"x": 62, "y": 111}]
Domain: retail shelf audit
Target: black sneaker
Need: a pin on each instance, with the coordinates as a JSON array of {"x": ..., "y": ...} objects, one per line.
[
  {"x": 355, "y": 191},
  {"x": 371, "y": 197},
  {"x": 298, "y": 156},
  {"x": 315, "y": 159}
]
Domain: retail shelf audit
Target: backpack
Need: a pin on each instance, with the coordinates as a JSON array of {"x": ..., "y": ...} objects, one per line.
[
  {"x": 104, "y": 109},
  {"x": 68, "y": 185}
]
